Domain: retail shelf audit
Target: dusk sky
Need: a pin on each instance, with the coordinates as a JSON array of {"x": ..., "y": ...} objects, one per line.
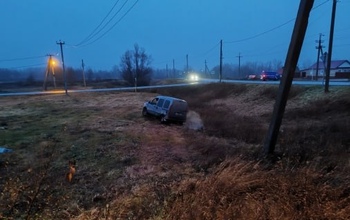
[{"x": 260, "y": 31}]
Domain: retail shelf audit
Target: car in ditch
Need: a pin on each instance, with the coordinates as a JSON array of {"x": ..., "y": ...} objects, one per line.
[{"x": 168, "y": 109}]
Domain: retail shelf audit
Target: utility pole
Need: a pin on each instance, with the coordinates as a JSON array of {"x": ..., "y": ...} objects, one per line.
[
  {"x": 186, "y": 65},
  {"x": 167, "y": 70},
  {"x": 319, "y": 49},
  {"x": 52, "y": 63},
  {"x": 173, "y": 68},
  {"x": 49, "y": 68},
  {"x": 83, "y": 67},
  {"x": 207, "y": 72},
  {"x": 220, "y": 71},
  {"x": 61, "y": 43},
  {"x": 239, "y": 64},
  {"x": 293, "y": 54},
  {"x": 330, "y": 47}
]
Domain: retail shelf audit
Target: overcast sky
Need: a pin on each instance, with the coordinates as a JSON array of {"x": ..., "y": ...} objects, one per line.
[{"x": 168, "y": 30}]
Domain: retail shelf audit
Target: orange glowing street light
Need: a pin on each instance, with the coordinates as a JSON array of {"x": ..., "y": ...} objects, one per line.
[
  {"x": 54, "y": 62},
  {"x": 51, "y": 63}
]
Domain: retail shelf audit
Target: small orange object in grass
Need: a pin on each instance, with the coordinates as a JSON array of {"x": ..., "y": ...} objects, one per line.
[{"x": 70, "y": 174}]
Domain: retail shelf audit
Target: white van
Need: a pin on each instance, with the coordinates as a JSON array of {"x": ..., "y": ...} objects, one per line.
[{"x": 166, "y": 108}]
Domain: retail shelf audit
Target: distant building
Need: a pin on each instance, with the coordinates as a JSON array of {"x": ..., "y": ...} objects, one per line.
[{"x": 339, "y": 69}]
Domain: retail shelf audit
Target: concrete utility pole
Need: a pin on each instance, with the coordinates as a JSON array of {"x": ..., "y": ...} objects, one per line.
[
  {"x": 319, "y": 49},
  {"x": 220, "y": 71},
  {"x": 239, "y": 64},
  {"x": 330, "y": 47},
  {"x": 83, "y": 68},
  {"x": 294, "y": 49},
  {"x": 61, "y": 43}
]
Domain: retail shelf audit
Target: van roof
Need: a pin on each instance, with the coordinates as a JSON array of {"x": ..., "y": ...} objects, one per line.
[{"x": 169, "y": 97}]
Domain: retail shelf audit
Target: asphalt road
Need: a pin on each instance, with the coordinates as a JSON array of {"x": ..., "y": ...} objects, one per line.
[{"x": 202, "y": 81}]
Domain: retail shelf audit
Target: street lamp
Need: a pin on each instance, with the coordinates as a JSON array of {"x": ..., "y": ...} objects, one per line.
[{"x": 52, "y": 64}]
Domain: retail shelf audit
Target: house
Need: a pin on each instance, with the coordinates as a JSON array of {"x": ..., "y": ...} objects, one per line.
[{"x": 339, "y": 69}]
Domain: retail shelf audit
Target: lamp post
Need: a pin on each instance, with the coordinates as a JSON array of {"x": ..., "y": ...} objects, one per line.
[{"x": 53, "y": 64}]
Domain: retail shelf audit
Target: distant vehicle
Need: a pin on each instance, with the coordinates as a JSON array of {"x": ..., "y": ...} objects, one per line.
[
  {"x": 193, "y": 77},
  {"x": 270, "y": 76},
  {"x": 168, "y": 109},
  {"x": 252, "y": 77}
]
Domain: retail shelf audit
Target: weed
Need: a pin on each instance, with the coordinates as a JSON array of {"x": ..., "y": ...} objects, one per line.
[{"x": 132, "y": 168}]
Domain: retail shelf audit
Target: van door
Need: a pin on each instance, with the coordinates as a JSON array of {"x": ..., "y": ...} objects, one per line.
[
  {"x": 159, "y": 107},
  {"x": 152, "y": 107}
]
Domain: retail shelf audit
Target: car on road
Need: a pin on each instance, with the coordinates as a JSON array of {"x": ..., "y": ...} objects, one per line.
[
  {"x": 252, "y": 76},
  {"x": 270, "y": 76},
  {"x": 167, "y": 108},
  {"x": 193, "y": 77}
]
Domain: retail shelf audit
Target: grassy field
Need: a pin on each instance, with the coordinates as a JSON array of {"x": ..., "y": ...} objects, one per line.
[{"x": 130, "y": 167}]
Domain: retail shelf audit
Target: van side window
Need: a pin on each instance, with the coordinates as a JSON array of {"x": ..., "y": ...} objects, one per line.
[
  {"x": 160, "y": 102},
  {"x": 166, "y": 104},
  {"x": 154, "y": 101}
]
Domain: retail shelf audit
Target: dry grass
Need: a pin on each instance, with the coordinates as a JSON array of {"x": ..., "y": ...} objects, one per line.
[
  {"x": 242, "y": 190},
  {"x": 129, "y": 167}
]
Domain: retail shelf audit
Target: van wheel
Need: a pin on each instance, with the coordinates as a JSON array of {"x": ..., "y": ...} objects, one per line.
[{"x": 144, "y": 112}]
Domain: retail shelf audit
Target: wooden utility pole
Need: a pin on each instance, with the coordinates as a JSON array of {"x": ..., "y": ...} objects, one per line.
[
  {"x": 239, "y": 64},
  {"x": 83, "y": 68},
  {"x": 167, "y": 70},
  {"x": 330, "y": 47},
  {"x": 220, "y": 70},
  {"x": 186, "y": 65},
  {"x": 49, "y": 69},
  {"x": 319, "y": 49},
  {"x": 205, "y": 68},
  {"x": 207, "y": 72},
  {"x": 295, "y": 45},
  {"x": 173, "y": 68},
  {"x": 63, "y": 68}
]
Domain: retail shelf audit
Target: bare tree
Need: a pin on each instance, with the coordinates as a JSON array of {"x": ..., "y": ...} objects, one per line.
[{"x": 135, "y": 67}]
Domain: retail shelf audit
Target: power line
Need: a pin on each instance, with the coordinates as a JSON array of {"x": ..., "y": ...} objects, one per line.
[
  {"x": 211, "y": 49},
  {"x": 272, "y": 29},
  {"x": 23, "y": 58},
  {"x": 262, "y": 33},
  {"x": 94, "y": 33},
  {"x": 117, "y": 22},
  {"x": 33, "y": 65}
]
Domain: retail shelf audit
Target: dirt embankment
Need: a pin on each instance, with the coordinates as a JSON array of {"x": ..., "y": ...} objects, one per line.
[{"x": 131, "y": 167}]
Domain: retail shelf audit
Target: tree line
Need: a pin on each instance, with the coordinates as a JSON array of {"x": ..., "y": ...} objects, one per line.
[{"x": 134, "y": 69}]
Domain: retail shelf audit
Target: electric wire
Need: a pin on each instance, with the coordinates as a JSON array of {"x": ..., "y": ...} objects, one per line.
[
  {"x": 117, "y": 22},
  {"x": 96, "y": 31},
  {"x": 22, "y": 58},
  {"x": 260, "y": 34},
  {"x": 272, "y": 29},
  {"x": 211, "y": 49},
  {"x": 120, "y": 19},
  {"x": 26, "y": 66},
  {"x": 92, "y": 34}
]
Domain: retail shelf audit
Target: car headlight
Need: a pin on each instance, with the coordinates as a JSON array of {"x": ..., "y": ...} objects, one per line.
[{"x": 193, "y": 77}]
